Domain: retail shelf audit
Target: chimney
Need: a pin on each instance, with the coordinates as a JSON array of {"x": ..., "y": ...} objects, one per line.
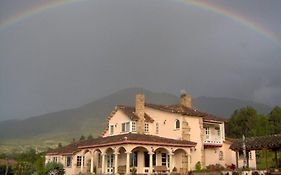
[
  {"x": 185, "y": 100},
  {"x": 139, "y": 111}
]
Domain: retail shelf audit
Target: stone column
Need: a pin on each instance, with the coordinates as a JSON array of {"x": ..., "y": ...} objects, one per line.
[
  {"x": 116, "y": 163},
  {"x": 103, "y": 163},
  {"x": 92, "y": 163},
  {"x": 128, "y": 163},
  {"x": 150, "y": 171},
  {"x": 171, "y": 161},
  {"x": 82, "y": 163}
]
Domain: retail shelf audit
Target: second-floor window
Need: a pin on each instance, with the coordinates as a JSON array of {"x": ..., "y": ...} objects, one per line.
[
  {"x": 133, "y": 126},
  {"x": 79, "y": 161},
  {"x": 125, "y": 127},
  {"x": 207, "y": 132},
  {"x": 111, "y": 129},
  {"x": 146, "y": 127}
]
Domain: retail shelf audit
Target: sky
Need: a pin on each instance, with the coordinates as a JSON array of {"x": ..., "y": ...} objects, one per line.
[{"x": 63, "y": 56}]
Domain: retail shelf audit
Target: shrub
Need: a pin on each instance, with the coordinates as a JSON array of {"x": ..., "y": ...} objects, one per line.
[{"x": 198, "y": 166}]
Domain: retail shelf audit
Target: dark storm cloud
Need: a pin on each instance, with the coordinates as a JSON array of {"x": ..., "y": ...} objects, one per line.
[{"x": 70, "y": 55}]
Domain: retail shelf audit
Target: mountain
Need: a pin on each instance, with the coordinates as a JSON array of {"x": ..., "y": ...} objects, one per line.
[{"x": 91, "y": 118}]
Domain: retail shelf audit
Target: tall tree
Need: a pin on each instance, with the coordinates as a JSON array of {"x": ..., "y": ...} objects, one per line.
[
  {"x": 242, "y": 122},
  {"x": 274, "y": 118}
]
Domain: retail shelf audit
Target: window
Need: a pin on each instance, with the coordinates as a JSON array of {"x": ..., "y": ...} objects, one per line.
[
  {"x": 207, "y": 132},
  {"x": 146, "y": 127},
  {"x": 164, "y": 159},
  {"x": 250, "y": 155},
  {"x": 111, "y": 129},
  {"x": 68, "y": 161},
  {"x": 133, "y": 126},
  {"x": 126, "y": 127},
  {"x": 220, "y": 155},
  {"x": 79, "y": 161},
  {"x": 157, "y": 128},
  {"x": 55, "y": 159},
  {"x": 177, "y": 123}
]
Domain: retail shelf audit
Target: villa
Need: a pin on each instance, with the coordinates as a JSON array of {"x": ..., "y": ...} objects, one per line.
[{"x": 150, "y": 138}]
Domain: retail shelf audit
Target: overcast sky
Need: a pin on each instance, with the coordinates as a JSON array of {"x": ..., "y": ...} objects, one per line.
[{"x": 70, "y": 55}]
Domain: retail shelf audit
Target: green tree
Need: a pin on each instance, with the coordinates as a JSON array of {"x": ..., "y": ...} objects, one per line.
[
  {"x": 23, "y": 168},
  {"x": 56, "y": 168},
  {"x": 274, "y": 118},
  {"x": 243, "y": 121}
]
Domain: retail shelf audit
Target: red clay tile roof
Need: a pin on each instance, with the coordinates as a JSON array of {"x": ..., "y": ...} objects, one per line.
[
  {"x": 131, "y": 138},
  {"x": 68, "y": 149},
  {"x": 180, "y": 109},
  {"x": 130, "y": 112},
  {"x": 258, "y": 143}
]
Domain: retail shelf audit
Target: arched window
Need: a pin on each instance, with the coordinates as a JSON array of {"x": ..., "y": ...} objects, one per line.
[
  {"x": 220, "y": 155},
  {"x": 177, "y": 124}
]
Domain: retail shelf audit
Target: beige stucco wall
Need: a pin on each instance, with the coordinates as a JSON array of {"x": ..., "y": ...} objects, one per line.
[
  {"x": 166, "y": 123},
  {"x": 117, "y": 119}
]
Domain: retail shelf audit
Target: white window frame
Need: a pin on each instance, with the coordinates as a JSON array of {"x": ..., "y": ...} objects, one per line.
[
  {"x": 111, "y": 129},
  {"x": 125, "y": 127},
  {"x": 134, "y": 126},
  {"x": 207, "y": 132},
  {"x": 146, "y": 127},
  {"x": 79, "y": 161}
]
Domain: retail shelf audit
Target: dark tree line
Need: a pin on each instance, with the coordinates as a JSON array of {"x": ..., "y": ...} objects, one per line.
[{"x": 246, "y": 121}]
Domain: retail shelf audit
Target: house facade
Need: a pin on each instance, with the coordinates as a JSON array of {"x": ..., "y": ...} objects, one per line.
[{"x": 150, "y": 138}]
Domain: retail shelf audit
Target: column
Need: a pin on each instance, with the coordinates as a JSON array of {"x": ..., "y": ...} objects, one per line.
[
  {"x": 92, "y": 163},
  {"x": 128, "y": 163},
  {"x": 171, "y": 161},
  {"x": 82, "y": 163},
  {"x": 188, "y": 162},
  {"x": 116, "y": 163},
  {"x": 188, "y": 159},
  {"x": 103, "y": 163},
  {"x": 150, "y": 171}
]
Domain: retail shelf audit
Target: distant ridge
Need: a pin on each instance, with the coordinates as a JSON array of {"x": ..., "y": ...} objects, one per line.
[{"x": 91, "y": 118}]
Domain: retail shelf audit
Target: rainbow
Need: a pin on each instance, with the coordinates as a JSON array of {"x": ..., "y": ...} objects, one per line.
[{"x": 202, "y": 4}]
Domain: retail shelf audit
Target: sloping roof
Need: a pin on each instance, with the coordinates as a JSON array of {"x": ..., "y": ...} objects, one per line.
[
  {"x": 132, "y": 138},
  {"x": 258, "y": 143},
  {"x": 130, "y": 112},
  {"x": 180, "y": 109},
  {"x": 68, "y": 149}
]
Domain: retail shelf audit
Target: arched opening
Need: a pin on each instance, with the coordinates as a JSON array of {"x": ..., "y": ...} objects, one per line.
[
  {"x": 161, "y": 158},
  {"x": 139, "y": 159},
  {"x": 181, "y": 163}
]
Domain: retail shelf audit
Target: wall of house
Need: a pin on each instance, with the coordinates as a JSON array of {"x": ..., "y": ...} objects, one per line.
[
  {"x": 117, "y": 119},
  {"x": 166, "y": 122}
]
